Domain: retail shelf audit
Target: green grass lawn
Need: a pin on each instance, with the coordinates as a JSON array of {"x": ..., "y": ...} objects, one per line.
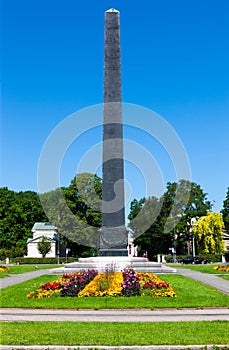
[
  {"x": 226, "y": 277},
  {"x": 17, "y": 269},
  {"x": 116, "y": 334},
  {"x": 209, "y": 268},
  {"x": 189, "y": 294}
]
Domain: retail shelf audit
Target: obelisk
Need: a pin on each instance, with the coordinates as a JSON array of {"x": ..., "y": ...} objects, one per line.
[{"x": 113, "y": 235}]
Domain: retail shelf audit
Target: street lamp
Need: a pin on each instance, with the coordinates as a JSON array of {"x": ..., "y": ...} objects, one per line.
[
  {"x": 58, "y": 243},
  {"x": 174, "y": 249},
  {"x": 193, "y": 221}
]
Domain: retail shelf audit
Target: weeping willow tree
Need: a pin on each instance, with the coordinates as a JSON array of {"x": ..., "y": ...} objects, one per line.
[{"x": 208, "y": 232}]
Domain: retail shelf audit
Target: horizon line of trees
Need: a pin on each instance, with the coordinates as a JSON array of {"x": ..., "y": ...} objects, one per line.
[{"x": 20, "y": 210}]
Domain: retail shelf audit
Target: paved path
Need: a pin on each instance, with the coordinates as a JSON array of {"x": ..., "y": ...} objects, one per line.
[
  {"x": 114, "y": 315},
  {"x": 206, "y": 278},
  {"x": 19, "y": 278}
]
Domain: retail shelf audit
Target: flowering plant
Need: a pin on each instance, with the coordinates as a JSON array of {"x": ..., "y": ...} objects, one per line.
[
  {"x": 4, "y": 268},
  {"x": 77, "y": 282},
  {"x": 222, "y": 268},
  {"x": 101, "y": 286},
  {"x": 108, "y": 283},
  {"x": 154, "y": 286},
  {"x": 131, "y": 285},
  {"x": 48, "y": 289}
]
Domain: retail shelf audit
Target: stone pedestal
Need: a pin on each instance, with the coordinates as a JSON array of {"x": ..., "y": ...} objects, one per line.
[
  {"x": 113, "y": 241},
  {"x": 114, "y": 263}
]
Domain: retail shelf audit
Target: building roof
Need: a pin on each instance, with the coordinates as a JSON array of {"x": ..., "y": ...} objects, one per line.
[
  {"x": 43, "y": 226},
  {"x": 29, "y": 240}
]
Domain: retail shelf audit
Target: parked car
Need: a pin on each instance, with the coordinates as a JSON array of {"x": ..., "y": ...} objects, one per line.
[{"x": 193, "y": 260}]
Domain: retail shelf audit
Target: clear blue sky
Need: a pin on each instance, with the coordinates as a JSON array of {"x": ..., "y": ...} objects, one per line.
[{"x": 175, "y": 58}]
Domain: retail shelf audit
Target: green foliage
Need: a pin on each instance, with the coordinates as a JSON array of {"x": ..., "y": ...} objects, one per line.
[
  {"x": 76, "y": 211},
  {"x": 157, "y": 212},
  {"x": 36, "y": 261},
  {"x": 12, "y": 253},
  {"x": 44, "y": 246},
  {"x": 211, "y": 258},
  {"x": 18, "y": 213},
  {"x": 208, "y": 231},
  {"x": 77, "y": 223},
  {"x": 225, "y": 211}
]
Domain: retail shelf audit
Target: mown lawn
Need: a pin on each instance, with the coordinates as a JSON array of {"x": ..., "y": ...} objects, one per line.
[
  {"x": 226, "y": 277},
  {"x": 114, "y": 334},
  {"x": 189, "y": 294},
  {"x": 209, "y": 268},
  {"x": 17, "y": 269}
]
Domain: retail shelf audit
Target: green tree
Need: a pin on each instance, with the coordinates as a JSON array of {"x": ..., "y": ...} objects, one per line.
[
  {"x": 44, "y": 246},
  {"x": 208, "y": 231},
  {"x": 225, "y": 211},
  {"x": 18, "y": 213},
  {"x": 197, "y": 206},
  {"x": 76, "y": 211},
  {"x": 179, "y": 204},
  {"x": 147, "y": 226}
]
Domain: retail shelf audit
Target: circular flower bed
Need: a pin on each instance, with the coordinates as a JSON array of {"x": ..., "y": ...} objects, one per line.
[{"x": 89, "y": 283}]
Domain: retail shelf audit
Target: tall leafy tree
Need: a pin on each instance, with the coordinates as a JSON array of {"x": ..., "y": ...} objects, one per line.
[
  {"x": 225, "y": 211},
  {"x": 208, "y": 231},
  {"x": 197, "y": 206},
  {"x": 18, "y": 213},
  {"x": 179, "y": 204},
  {"x": 76, "y": 211},
  {"x": 146, "y": 213}
]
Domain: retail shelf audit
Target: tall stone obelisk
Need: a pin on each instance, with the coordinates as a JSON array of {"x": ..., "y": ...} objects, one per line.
[{"x": 113, "y": 235}]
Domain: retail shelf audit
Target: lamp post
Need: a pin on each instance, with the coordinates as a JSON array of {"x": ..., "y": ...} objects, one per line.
[
  {"x": 193, "y": 220},
  {"x": 174, "y": 245},
  {"x": 58, "y": 243}
]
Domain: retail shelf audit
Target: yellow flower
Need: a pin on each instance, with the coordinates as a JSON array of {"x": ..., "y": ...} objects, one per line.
[{"x": 104, "y": 284}]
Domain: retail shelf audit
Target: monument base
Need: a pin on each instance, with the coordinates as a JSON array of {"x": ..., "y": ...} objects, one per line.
[
  {"x": 113, "y": 252},
  {"x": 113, "y": 241},
  {"x": 115, "y": 263}
]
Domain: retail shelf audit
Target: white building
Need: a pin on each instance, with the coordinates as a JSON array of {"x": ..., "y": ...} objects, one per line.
[
  {"x": 42, "y": 229},
  {"x": 132, "y": 250}
]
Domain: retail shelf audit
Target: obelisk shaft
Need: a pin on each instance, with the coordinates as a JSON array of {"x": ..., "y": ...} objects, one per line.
[{"x": 113, "y": 239}]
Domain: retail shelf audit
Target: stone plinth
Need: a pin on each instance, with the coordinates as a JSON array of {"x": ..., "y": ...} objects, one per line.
[
  {"x": 113, "y": 241},
  {"x": 116, "y": 263}
]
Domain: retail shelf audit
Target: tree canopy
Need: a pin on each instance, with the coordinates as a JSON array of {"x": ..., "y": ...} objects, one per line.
[
  {"x": 174, "y": 209},
  {"x": 44, "y": 246},
  {"x": 18, "y": 213},
  {"x": 208, "y": 231},
  {"x": 225, "y": 211},
  {"x": 76, "y": 211}
]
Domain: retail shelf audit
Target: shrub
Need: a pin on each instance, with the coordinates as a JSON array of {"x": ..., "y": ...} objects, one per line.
[
  {"x": 12, "y": 253},
  {"x": 31, "y": 261},
  {"x": 209, "y": 257}
]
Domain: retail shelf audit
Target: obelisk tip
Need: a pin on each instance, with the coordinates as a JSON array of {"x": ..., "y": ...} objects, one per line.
[{"x": 113, "y": 10}]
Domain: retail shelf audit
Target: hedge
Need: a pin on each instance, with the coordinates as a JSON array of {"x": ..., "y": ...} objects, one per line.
[
  {"x": 31, "y": 261},
  {"x": 211, "y": 258}
]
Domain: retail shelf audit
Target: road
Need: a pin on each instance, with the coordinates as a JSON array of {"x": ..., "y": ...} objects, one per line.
[{"x": 133, "y": 315}]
